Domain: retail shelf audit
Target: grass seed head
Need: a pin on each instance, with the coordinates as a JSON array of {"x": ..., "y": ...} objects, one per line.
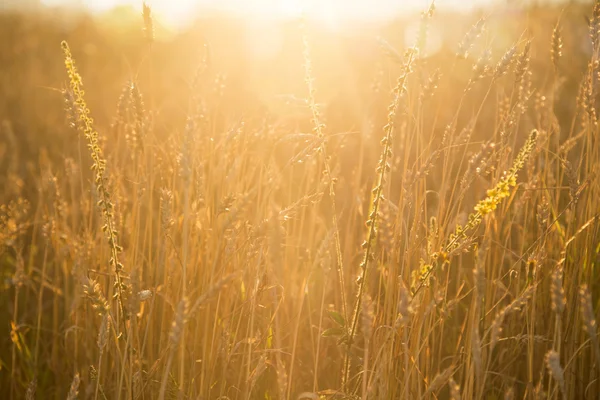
[
  {"x": 148, "y": 22},
  {"x": 74, "y": 389},
  {"x": 555, "y": 369},
  {"x": 556, "y": 46}
]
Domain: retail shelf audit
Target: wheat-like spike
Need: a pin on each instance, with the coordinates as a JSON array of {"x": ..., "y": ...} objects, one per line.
[
  {"x": 182, "y": 314},
  {"x": 166, "y": 209},
  {"x": 31, "y": 388},
  {"x": 439, "y": 380},
  {"x": 479, "y": 274},
  {"x": 428, "y": 90},
  {"x": 404, "y": 309},
  {"x": 595, "y": 26},
  {"x": 468, "y": 41},
  {"x": 454, "y": 389},
  {"x": 213, "y": 290},
  {"x": 523, "y": 77},
  {"x": 282, "y": 378},
  {"x": 476, "y": 349},
  {"x": 515, "y": 305},
  {"x": 148, "y": 22},
  {"x": 368, "y": 316},
  {"x": 556, "y": 370},
  {"x": 522, "y": 63},
  {"x": 558, "y": 293},
  {"x": 481, "y": 68},
  {"x": 103, "y": 333},
  {"x": 505, "y": 62},
  {"x": 543, "y": 214},
  {"x": 588, "y": 101},
  {"x": 260, "y": 368},
  {"x": 93, "y": 292},
  {"x": 123, "y": 103},
  {"x": 181, "y": 317},
  {"x": 74, "y": 389},
  {"x": 71, "y": 110},
  {"x": 587, "y": 310},
  {"x": 556, "y": 46},
  {"x": 589, "y": 318},
  {"x": 139, "y": 128},
  {"x": 424, "y": 27},
  {"x": 572, "y": 180}
]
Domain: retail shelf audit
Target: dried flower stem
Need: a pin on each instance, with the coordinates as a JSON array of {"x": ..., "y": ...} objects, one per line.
[{"x": 369, "y": 244}]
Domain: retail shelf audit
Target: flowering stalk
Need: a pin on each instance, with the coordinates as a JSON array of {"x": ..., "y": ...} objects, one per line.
[
  {"x": 382, "y": 168},
  {"x": 99, "y": 168},
  {"x": 482, "y": 208}
]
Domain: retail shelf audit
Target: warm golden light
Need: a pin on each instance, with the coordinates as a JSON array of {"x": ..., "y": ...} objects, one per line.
[
  {"x": 329, "y": 12},
  {"x": 299, "y": 199}
]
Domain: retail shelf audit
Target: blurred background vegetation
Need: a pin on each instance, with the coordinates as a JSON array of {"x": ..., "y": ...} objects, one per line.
[{"x": 255, "y": 82}]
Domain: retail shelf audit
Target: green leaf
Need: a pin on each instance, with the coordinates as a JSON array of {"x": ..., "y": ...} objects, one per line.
[
  {"x": 332, "y": 332},
  {"x": 337, "y": 317}
]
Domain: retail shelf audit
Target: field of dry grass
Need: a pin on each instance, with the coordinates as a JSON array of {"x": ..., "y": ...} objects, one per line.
[{"x": 244, "y": 212}]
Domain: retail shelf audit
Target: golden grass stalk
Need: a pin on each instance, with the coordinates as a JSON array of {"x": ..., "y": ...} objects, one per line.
[
  {"x": 589, "y": 318},
  {"x": 99, "y": 167},
  {"x": 382, "y": 168},
  {"x": 469, "y": 39}
]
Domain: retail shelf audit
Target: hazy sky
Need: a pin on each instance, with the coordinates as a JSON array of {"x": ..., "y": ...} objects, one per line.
[{"x": 178, "y": 11}]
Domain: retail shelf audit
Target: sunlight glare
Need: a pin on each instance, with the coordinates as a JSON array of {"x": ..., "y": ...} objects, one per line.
[{"x": 330, "y": 13}]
